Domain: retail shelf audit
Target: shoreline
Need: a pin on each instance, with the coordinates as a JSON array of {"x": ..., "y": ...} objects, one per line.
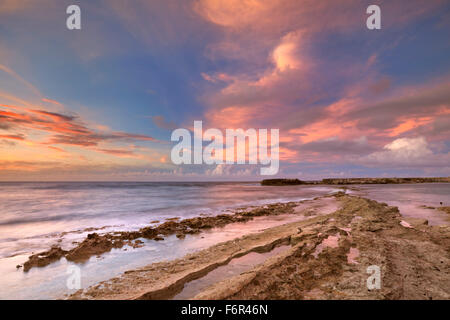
[
  {"x": 324, "y": 249},
  {"x": 353, "y": 181},
  {"x": 97, "y": 244}
]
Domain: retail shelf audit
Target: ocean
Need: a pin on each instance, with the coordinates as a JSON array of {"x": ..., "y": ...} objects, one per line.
[{"x": 34, "y": 215}]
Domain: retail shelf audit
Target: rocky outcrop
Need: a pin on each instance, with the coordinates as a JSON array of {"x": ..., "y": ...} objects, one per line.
[
  {"x": 44, "y": 258},
  {"x": 96, "y": 244},
  {"x": 281, "y": 182},
  {"x": 328, "y": 258},
  {"x": 384, "y": 180},
  {"x": 347, "y": 181}
]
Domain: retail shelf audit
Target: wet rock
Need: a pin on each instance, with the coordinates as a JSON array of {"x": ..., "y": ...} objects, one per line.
[
  {"x": 281, "y": 182},
  {"x": 445, "y": 209},
  {"x": 92, "y": 245},
  {"x": 415, "y": 222},
  {"x": 148, "y": 232},
  {"x": 96, "y": 244},
  {"x": 137, "y": 244},
  {"x": 43, "y": 259}
]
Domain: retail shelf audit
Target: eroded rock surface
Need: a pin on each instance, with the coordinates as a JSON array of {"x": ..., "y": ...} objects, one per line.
[
  {"x": 96, "y": 244},
  {"x": 328, "y": 259}
]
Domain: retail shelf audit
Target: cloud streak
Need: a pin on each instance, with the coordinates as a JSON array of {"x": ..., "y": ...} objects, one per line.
[{"x": 62, "y": 129}]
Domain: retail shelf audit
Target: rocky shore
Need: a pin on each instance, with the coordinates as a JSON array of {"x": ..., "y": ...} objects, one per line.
[
  {"x": 347, "y": 181},
  {"x": 95, "y": 244},
  {"x": 327, "y": 257}
]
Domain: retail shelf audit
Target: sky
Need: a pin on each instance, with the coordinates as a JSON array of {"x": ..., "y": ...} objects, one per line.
[{"x": 101, "y": 103}]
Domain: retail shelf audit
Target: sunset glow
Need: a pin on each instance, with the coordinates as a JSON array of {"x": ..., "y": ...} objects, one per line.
[{"x": 100, "y": 103}]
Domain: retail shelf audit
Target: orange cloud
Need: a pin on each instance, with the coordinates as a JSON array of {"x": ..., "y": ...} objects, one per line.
[
  {"x": 12, "y": 136},
  {"x": 117, "y": 152},
  {"x": 52, "y": 101},
  {"x": 285, "y": 55},
  {"x": 233, "y": 116},
  {"x": 63, "y": 129},
  {"x": 409, "y": 124},
  {"x": 272, "y": 17}
]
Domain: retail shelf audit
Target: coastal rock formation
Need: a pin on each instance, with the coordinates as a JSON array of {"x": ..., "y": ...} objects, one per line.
[
  {"x": 414, "y": 261},
  {"x": 346, "y": 181},
  {"x": 328, "y": 258},
  {"x": 384, "y": 180},
  {"x": 281, "y": 182},
  {"x": 44, "y": 258},
  {"x": 96, "y": 244}
]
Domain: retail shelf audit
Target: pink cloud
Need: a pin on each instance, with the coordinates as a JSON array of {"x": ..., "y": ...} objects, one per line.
[{"x": 63, "y": 129}]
